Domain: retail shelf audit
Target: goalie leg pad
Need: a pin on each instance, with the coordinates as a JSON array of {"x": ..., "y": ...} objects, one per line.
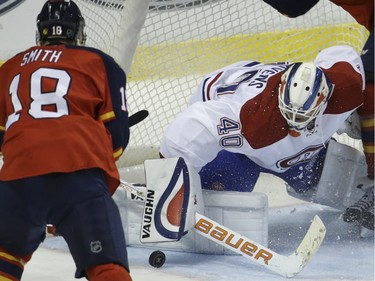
[{"x": 244, "y": 212}]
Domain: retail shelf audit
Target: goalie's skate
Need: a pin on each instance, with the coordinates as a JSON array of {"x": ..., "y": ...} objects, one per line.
[
  {"x": 365, "y": 205},
  {"x": 367, "y": 220}
]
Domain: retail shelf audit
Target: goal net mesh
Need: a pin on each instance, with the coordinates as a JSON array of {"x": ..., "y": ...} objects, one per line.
[{"x": 181, "y": 41}]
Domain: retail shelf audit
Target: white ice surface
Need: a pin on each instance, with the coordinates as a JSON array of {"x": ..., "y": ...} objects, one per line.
[{"x": 347, "y": 253}]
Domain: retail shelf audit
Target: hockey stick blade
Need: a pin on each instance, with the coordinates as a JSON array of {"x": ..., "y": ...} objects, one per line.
[
  {"x": 137, "y": 117},
  {"x": 287, "y": 266}
]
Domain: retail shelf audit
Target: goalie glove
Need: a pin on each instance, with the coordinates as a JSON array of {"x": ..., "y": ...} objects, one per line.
[{"x": 172, "y": 198}]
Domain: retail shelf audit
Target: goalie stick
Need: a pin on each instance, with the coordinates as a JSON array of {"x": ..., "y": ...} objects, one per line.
[{"x": 287, "y": 266}]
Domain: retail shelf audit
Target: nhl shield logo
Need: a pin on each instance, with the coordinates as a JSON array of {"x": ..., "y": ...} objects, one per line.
[
  {"x": 6, "y": 5},
  {"x": 96, "y": 246}
]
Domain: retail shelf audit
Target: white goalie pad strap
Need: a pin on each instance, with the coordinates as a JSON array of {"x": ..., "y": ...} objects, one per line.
[{"x": 173, "y": 196}]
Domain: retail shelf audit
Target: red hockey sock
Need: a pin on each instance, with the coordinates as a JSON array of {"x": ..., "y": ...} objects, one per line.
[
  {"x": 368, "y": 144},
  {"x": 366, "y": 112},
  {"x": 11, "y": 266},
  {"x": 105, "y": 272}
]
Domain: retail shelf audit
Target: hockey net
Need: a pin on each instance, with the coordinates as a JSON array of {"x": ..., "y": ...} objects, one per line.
[{"x": 167, "y": 46}]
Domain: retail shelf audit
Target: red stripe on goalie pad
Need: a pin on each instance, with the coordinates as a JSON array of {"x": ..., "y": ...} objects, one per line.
[{"x": 174, "y": 210}]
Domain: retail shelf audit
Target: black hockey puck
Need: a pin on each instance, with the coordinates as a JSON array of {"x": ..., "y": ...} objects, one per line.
[{"x": 157, "y": 259}]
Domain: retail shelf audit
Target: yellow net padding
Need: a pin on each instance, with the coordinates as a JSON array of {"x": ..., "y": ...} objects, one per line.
[{"x": 203, "y": 56}]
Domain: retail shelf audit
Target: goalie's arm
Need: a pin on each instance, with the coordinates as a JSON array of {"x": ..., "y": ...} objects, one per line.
[{"x": 199, "y": 144}]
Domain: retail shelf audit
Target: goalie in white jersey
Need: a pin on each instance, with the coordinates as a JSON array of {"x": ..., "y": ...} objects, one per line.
[{"x": 277, "y": 118}]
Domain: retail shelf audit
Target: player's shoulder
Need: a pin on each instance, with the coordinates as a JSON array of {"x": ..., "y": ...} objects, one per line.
[
  {"x": 343, "y": 61},
  {"x": 84, "y": 49},
  {"x": 239, "y": 65},
  {"x": 247, "y": 67},
  {"x": 338, "y": 53},
  {"x": 338, "y": 50},
  {"x": 91, "y": 50},
  {"x": 15, "y": 57},
  {"x": 107, "y": 59},
  {"x": 9, "y": 64}
]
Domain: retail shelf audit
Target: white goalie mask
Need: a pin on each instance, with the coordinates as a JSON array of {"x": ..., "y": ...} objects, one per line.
[{"x": 303, "y": 92}]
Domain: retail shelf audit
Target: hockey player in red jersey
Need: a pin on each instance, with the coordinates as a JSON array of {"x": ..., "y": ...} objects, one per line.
[
  {"x": 275, "y": 118},
  {"x": 363, "y": 12},
  {"x": 63, "y": 124}
]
